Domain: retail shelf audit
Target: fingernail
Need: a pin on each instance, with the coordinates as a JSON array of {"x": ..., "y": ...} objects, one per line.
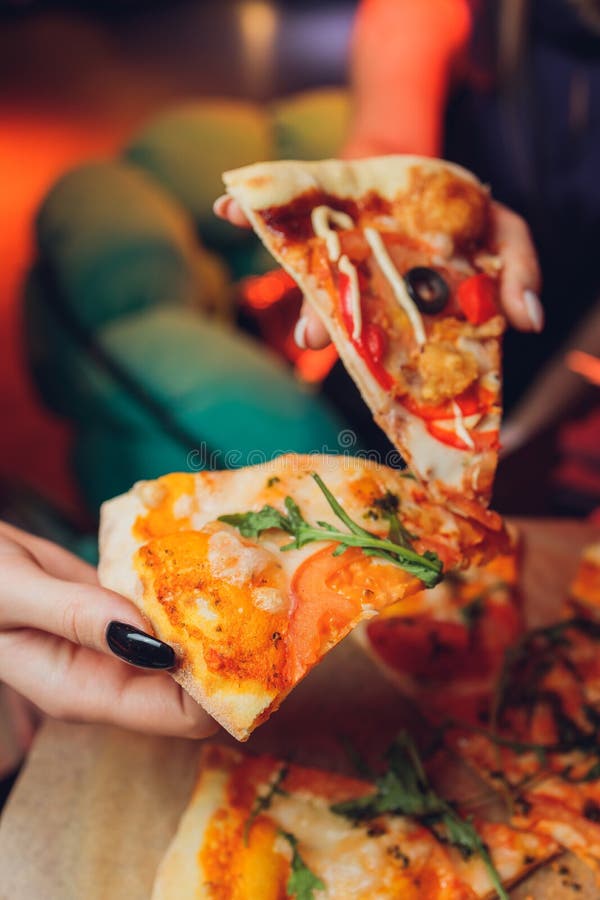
[
  {"x": 220, "y": 204},
  {"x": 300, "y": 332},
  {"x": 138, "y": 648},
  {"x": 534, "y": 309}
]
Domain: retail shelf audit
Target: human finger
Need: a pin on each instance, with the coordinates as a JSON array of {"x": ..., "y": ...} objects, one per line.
[
  {"x": 310, "y": 332},
  {"x": 75, "y": 683},
  {"x": 81, "y": 613},
  {"x": 521, "y": 278},
  {"x": 54, "y": 559},
  {"x": 225, "y": 207}
]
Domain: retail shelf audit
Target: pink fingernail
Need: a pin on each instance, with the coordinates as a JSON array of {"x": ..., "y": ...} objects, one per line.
[
  {"x": 534, "y": 309},
  {"x": 300, "y": 332},
  {"x": 220, "y": 205}
]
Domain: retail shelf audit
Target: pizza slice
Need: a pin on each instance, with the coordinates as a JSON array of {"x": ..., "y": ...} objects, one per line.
[
  {"x": 254, "y": 574},
  {"x": 558, "y": 798},
  {"x": 395, "y": 256},
  {"x": 445, "y": 647},
  {"x": 541, "y": 746},
  {"x": 260, "y": 827},
  {"x": 584, "y": 594}
]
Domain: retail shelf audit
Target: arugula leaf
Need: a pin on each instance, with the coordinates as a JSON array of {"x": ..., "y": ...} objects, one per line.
[
  {"x": 404, "y": 790},
  {"x": 252, "y": 524},
  {"x": 263, "y": 802},
  {"x": 388, "y": 507},
  {"x": 396, "y": 548},
  {"x": 302, "y": 882}
]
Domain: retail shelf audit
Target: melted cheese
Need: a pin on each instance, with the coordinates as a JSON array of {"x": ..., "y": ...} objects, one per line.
[
  {"x": 346, "y": 267},
  {"x": 491, "y": 381},
  {"x": 321, "y": 219},
  {"x": 436, "y": 461},
  {"x": 205, "y": 609},
  {"x": 229, "y": 558},
  {"x": 268, "y": 598},
  {"x": 479, "y": 351},
  {"x": 397, "y": 283},
  {"x": 460, "y": 428},
  {"x": 183, "y": 506}
]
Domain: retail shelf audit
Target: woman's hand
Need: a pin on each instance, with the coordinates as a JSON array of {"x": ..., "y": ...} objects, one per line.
[
  {"x": 57, "y": 628},
  {"x": 519, "y": 286}
]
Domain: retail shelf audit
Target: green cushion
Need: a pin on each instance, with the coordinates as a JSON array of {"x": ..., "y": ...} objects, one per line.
[
  {"x": 220, "y": 388},
  {"x": 188, "y": 148},
  {"x": 311, "y": 125},
  {"x": 116, "y": 242},
  {"x": 51, "y": 352}
]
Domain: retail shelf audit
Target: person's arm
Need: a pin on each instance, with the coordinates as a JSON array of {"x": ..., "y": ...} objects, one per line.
[
  {"x": 56, "y": 648},
  {"x": 403, "y": 53}
]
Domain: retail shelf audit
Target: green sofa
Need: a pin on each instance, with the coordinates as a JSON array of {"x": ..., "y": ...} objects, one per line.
[{"x": 130, "y": 326}]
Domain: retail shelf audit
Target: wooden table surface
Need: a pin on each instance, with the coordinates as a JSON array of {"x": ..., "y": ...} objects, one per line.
[{"x": 95, "y": 806}]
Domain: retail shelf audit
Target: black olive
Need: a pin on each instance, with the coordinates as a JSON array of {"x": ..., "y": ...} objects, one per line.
[{"x": 427, "y": 288}]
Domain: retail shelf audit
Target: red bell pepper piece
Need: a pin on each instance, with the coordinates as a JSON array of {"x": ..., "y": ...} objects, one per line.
[
  {"x": 483, "y": 440},
  {"x": 477, "y": 297},
  {"x": 372, "y": 343}
]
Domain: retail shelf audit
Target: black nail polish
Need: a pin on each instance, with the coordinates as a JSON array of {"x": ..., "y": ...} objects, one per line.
[{"x": 138, "y": 648}]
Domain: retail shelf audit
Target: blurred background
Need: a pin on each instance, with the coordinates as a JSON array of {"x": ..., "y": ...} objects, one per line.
[{"x": 133, "y": 327}]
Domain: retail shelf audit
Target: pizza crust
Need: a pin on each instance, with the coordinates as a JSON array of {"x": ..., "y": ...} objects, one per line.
[
  {"x": 180, "y": 872},
  {"x": 274, "y": 183},
  {"x": 235, "y": 710}
]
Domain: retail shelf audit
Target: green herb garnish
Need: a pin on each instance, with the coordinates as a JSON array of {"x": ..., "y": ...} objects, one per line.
[
  {"x": 404, "y": 790},
  {"x": 302, "y": 882},
  {"x": 388, "y": 507},
  {"x": 395, "y": 548},
  {"x": 263, "y": 802}
]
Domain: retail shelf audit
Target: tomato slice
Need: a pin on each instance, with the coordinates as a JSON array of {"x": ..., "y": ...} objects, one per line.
[
  {"x": 482, "y": 440},
  {"x": 320, "y": 615},
  {"x": 329, "y": 592},
  {"x": 477, "y": 297}
]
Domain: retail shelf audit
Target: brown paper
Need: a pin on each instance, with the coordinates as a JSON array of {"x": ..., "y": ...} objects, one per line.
[{"x": 95, "y": 806}]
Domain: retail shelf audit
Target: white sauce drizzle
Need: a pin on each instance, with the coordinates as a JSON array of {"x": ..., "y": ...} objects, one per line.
[
  {"x": 397, "y": 283},
  {"x": 459, "y": 425},
  {"x": 346, "y": 267},
  {"x": 321, "y": 219}
]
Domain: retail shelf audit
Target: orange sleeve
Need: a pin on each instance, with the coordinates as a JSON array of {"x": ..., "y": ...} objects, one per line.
[{"x": 402, "y": 57}]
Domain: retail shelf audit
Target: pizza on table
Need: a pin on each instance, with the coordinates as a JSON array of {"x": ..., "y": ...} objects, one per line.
[{"x": 253, "y": 575}]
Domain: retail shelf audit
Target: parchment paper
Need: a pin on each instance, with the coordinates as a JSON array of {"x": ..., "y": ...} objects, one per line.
[{"x": 95, "y": 807}]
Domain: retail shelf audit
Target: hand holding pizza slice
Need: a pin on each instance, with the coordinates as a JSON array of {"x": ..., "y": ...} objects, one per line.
[
  {"x": 254, "y": 574},
  {"x": 397, "y": 256}
]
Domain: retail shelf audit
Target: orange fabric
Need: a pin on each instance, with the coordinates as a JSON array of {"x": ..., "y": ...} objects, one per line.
[
  {"x": 403, "y": 55},
  {"x": 35, "y": 149}
]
